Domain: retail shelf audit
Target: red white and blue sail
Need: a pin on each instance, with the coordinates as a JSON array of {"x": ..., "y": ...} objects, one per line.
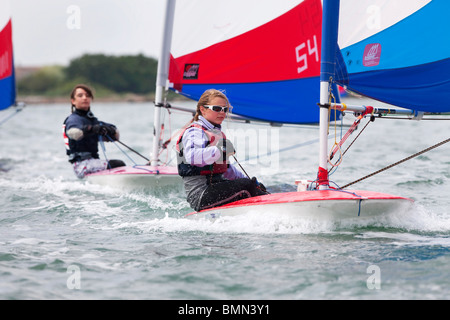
[
  {"x": 396, "y": 51},
  {"x": 7, "y": 79},
  {"x": 265, "y": 54}
]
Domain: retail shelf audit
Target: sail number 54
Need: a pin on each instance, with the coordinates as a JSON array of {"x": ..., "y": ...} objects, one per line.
[{"x": 303, "y": 50}]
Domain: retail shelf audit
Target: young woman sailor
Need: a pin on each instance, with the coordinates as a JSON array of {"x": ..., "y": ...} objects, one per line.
[
  {"x": 203, "y": 152},
  {"x": 82, "y": 131}
]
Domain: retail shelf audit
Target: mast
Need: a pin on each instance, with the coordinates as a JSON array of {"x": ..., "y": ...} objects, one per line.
[
  {"x": 161, "y": 78},
  {"x": 330, "y": 24}
]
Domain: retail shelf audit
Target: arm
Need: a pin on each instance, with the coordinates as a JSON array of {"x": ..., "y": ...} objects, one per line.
[
  {"x": 76, "y": 129},
  {"x": 109, "y": 130},
  {"x": 233, "y": 173},
  {"x": 195, "y": 150}
]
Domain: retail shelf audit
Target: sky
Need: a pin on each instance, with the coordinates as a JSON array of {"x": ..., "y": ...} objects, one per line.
[{"x": 53, "y": 32}]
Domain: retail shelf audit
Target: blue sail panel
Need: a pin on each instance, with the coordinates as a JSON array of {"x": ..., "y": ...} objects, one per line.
[
  {"x": 281, "y": 101},
  {"x": 7, "y": 92},
  {"x": 407, "y": 64},
  {"x": 423, "y": 88}
]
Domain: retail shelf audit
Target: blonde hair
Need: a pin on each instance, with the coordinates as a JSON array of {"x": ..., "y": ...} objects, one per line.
[{"x": 207, "y": 96}]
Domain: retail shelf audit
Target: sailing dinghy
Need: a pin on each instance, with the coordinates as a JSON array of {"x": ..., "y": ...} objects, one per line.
[
  {"x": 152, "y": 176},
  {"x": 396, "y": 54},
  {"x": 203, "y": 56}
]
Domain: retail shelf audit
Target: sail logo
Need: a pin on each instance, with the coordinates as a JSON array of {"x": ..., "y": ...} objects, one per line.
[
  {"x": 191, "y": 71},
  {"x": 372, "y": 54}
]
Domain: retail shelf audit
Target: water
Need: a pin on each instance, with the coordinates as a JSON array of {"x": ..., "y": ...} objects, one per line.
[{"x": 62, "y": 238}]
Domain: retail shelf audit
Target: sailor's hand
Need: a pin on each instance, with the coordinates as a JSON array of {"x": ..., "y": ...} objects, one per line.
[
  {"x": 226, "y": 146},
  {"x": 110, "y": 131},
  {"x": 259, "y": 185},
  {"x": 93, "y": 129},
  {"x": 104, "y": 130}
]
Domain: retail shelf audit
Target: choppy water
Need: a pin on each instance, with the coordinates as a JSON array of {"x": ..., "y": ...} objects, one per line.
[{"x": 61, "y": 238}]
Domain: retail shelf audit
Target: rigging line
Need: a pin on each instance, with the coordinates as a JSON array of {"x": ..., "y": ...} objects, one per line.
[
  {"x": 177, "y": 133},
  {"x": 110, "y": 139},
  {"x": 357, "y": 137},
  {"x": 131, "y": 149},
  {"x": 345, "y": 151},
  {"x": 10, "y": 116},
  {"x": 257, "y": 186},
  {"x": 307, "y": 143},
  {"x": 241, "y": 166},
  {"x": 401, "y": 118},
  {"x": 295, "y": 146},
  {"x": 398, "y": 162},
  {"x": 102, "y": 144}
]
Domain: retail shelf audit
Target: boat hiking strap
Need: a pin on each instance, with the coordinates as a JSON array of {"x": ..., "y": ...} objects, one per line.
[{"x": 398, "y": 162}]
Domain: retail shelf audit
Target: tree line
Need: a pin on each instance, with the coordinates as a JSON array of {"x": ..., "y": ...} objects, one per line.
[{"x": 107, "y": 74}]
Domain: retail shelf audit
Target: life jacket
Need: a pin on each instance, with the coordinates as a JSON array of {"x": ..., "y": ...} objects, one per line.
[
  {"x": 85, "y": 148},
  {"x": 187, "y": 169}
]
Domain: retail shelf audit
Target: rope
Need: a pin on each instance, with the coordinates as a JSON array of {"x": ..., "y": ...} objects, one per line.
[
  {"x": 399, "y": 162},
  {"x": 131, "y": 149},
  {"x": 10, "y": 116},
  {"x": 345, "y": 151},
  {"x": 177, "y": 133},
  {"x": 102, "y": 144}
]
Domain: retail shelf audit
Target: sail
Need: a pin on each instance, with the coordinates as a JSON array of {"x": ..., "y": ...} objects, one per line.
[
  {"x": 396, "y": 51},
  {"x": 7, "y": 79},
  {"x": 265, "y": 54}
]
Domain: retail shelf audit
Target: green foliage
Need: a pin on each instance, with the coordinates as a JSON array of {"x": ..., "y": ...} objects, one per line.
[
  {"x": 106, "y": 74},
  {"x": 42, "y": 80},
  {"x": 135, "y": 74}
]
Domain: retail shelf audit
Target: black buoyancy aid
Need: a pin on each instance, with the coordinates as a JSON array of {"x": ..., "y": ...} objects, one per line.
[
  {"x": 187, "y": 169},
  {"x": 88, "y": 145}
]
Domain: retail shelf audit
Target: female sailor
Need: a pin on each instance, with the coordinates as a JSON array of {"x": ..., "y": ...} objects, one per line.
[
  {"x": 203, "y": 152},
  {"x": 82, "y": 131}
]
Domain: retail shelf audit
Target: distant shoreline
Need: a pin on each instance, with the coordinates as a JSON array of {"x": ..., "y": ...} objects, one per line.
[
  {"x": 113, "y": 98},
  {"x": 129, "y": 97}
]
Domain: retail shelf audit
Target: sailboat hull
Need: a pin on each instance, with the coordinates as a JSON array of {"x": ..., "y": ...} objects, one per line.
[
  {"x": 148, "y": 178},
  {"x": 319, "y": 204}
]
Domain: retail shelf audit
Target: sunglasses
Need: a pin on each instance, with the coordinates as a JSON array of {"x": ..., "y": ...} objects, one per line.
[{"x": 218, "y": 108}]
